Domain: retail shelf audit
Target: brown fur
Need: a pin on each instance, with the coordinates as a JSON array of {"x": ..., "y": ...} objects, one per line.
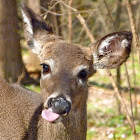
[
  {"x": 20, "y": 117},
  {"x": 73, "y": 126},
  {"x": 17, "y": 107}
]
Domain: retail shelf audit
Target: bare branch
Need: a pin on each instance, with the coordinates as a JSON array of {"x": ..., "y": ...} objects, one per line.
[
  {"x": 118, "y": 93},
  {"x": 129, "y": 89},
  {"x": 131, "y": 122},
  {"x": 82, "y": 21},
  {"x": 70, "y": 23},
  {"x": 110, "y": 15},
  {"x": 64, "y": 13},
  {"x": 132, "y": 23}
]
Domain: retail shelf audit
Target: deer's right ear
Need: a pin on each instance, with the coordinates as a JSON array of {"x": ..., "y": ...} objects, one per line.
[
  {"x": 112, "y": 50},
  {"x": 33, "y": 26}
]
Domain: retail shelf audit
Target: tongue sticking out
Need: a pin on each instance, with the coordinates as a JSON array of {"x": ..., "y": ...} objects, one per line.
[{"x": 49, "y": 116}]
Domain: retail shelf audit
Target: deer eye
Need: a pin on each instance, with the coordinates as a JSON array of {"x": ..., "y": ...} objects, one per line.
[
  {"x": 46, "y": 68},
  {"x": 82, "y": 74}
]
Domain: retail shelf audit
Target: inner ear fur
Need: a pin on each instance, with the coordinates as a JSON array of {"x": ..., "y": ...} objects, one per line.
[{"x": 112, "y": 50}]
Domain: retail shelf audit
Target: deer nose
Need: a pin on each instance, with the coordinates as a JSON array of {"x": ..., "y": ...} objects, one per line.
[{"x": 59, "y": 105}]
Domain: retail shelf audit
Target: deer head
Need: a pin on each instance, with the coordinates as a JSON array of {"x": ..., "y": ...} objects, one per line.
[{"x": 66, "y": 67}]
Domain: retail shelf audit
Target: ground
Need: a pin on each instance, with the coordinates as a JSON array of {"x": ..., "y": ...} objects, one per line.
[{"x": 104, "y": 121}]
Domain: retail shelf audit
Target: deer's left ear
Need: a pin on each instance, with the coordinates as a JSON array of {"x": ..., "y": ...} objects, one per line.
[
  {"x": 112, "y": 50},
  {"x": 34, "y": 27}
]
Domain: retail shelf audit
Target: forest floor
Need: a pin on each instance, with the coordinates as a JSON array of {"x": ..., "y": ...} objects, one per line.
[{"x": 104, "y": 120}]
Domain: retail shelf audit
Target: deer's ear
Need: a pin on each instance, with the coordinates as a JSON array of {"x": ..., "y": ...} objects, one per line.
[
  {"x": 33, "y": 26},
  {"x": 112, "y": 50}
]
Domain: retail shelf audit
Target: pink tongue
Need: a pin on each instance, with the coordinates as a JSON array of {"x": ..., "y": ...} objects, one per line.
[{"x": 49, "y": 116}]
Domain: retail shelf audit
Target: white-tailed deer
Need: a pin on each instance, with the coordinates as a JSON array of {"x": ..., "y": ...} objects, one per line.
[{"x": 66, "y": 68}]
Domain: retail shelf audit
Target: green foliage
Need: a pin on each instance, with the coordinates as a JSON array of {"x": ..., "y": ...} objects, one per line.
[
  {"x": 108, "y": 118},
  {"x": 115, "y": 120},
  {"x": 25, "y": 51},
  {"x": 34, "y": 88},
  {"x": 91, "y": 134}
]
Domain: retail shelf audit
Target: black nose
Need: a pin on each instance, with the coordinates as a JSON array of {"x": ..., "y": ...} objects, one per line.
[{"x": 59, "y": 105}]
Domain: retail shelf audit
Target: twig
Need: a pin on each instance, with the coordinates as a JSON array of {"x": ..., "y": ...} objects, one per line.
[
  {"x": 70, "y": 23},
  {"x": 53, "y": 6},
  {"x": 131, "y": 122},
  {"x": 21, "y": 77},
  {"x": 65, "y": 13},
  {"x": 82, "y": 21},
  {"x": 134, "y": 82},
  {"x": 132, "y": 22},
  {"x": 118, "y": 69},
  {"x": 48, "y": 11},
  {"x": 129, "y": 88},
  {"x": 110, "y": 15},
  {"x": 82, "y": 30},
  {"x": 118, "y": 92},
  {"x": 133, "y": 25}
]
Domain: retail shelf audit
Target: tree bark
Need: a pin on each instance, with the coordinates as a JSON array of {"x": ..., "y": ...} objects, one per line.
[
  {"x": 11, "y": 64},
  {"x": 118, "y": 71},
  {"x": 35, "y": 5}
]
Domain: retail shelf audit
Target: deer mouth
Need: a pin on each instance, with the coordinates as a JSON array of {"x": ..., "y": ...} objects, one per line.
[
  {"x": 55, "y": 109},
  {"x": 50, "y": 116}
]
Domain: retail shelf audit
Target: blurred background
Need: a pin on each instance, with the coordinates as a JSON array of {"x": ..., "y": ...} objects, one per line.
[{"x": 113, "y": 96}]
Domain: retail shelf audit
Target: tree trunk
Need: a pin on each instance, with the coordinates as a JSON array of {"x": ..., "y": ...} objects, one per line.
[
  {"x": 118, "y": 71},
  {"x": 35, "y": 5},
  {"x": 10, "y": 52}
]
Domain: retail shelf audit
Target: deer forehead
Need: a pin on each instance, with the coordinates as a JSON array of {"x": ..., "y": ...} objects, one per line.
[{"x": 61, "y": 54}]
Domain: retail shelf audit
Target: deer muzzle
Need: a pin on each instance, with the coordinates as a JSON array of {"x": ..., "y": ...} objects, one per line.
[{"x": 55, "y": 109}]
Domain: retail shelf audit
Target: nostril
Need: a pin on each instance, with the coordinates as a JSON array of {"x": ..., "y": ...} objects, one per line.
[
  {"x": 50, "y": 102},
  {"x": 67, "y": 109},
  {"x": 60, "y": 106}
]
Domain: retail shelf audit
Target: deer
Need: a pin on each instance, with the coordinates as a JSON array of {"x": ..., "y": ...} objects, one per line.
[{"x": 59, "y": 112}]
